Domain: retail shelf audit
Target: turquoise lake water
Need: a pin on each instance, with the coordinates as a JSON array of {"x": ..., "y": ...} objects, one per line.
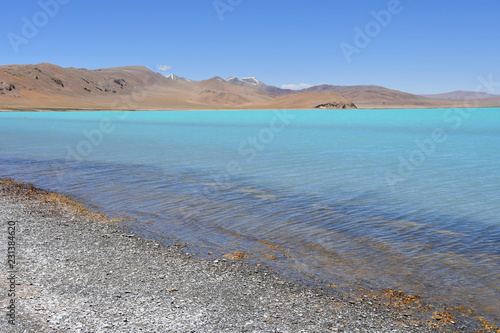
[{"x": 392, "y": 198}]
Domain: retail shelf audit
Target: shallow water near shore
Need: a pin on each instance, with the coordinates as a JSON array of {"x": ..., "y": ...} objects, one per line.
[{"x": 402, "y": 199}]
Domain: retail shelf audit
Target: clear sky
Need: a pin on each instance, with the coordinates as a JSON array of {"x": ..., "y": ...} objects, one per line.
[{"x": 418, "y": 46}]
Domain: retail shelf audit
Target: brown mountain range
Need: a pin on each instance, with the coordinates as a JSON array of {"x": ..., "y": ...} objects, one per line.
[{"x": 50, "y": 87}]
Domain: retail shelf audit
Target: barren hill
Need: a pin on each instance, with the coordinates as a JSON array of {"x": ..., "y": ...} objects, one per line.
[
  {"x": 50, "y": 87},
  {"x": 371, "y": 96}
]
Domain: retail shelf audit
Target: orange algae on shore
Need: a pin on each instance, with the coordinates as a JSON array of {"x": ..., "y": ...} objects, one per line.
[
  {"x": 58, "y": 202},
  {"x": 400, "y": 299},
  {"x": 270, "y": 256},
  {"x": 488, "y": 326},
  {"x": 235, "y": 255},
  {"x": 444, "y": 317}
]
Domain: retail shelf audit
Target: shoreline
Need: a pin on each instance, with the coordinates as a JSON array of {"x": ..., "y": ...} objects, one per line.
[
  {"x": 402, "y": 107},
  {"x": 78, "y": 269}
]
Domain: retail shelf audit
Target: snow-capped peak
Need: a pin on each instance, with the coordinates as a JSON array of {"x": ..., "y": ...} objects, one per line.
[
  {"x": 251, "y": 80},
  {"x": 177, "y": 78},
  {"x": 246, "y": 81}
]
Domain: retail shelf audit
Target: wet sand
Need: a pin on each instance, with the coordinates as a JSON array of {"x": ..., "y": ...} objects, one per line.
[{"x": 77, "y": 271}]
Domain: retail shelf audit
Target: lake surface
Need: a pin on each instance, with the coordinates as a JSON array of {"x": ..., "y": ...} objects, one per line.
[{"x": 405, "y": 199}]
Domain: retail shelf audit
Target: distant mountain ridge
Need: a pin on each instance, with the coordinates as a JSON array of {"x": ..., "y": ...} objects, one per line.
[
  {"x": 245, "y": 82},
  {"x": 250, "y": 82},
  {"x": 461, "y": 95},
  {"x": 47, "y": 86},
  {"x": 50, "y": 87}
]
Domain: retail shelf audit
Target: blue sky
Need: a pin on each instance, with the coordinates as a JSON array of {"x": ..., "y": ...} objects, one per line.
[{"x": 424, "y": 46}]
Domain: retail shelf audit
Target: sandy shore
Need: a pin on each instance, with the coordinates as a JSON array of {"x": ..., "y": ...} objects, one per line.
[{"x": 76, "y": 271}]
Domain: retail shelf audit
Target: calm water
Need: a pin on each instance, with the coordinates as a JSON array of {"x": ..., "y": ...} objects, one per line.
[{"x": 393, "y": 198}]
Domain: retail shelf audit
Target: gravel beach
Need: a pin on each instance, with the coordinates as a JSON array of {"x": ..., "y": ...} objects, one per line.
[{"x": 76, "y": 271}]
